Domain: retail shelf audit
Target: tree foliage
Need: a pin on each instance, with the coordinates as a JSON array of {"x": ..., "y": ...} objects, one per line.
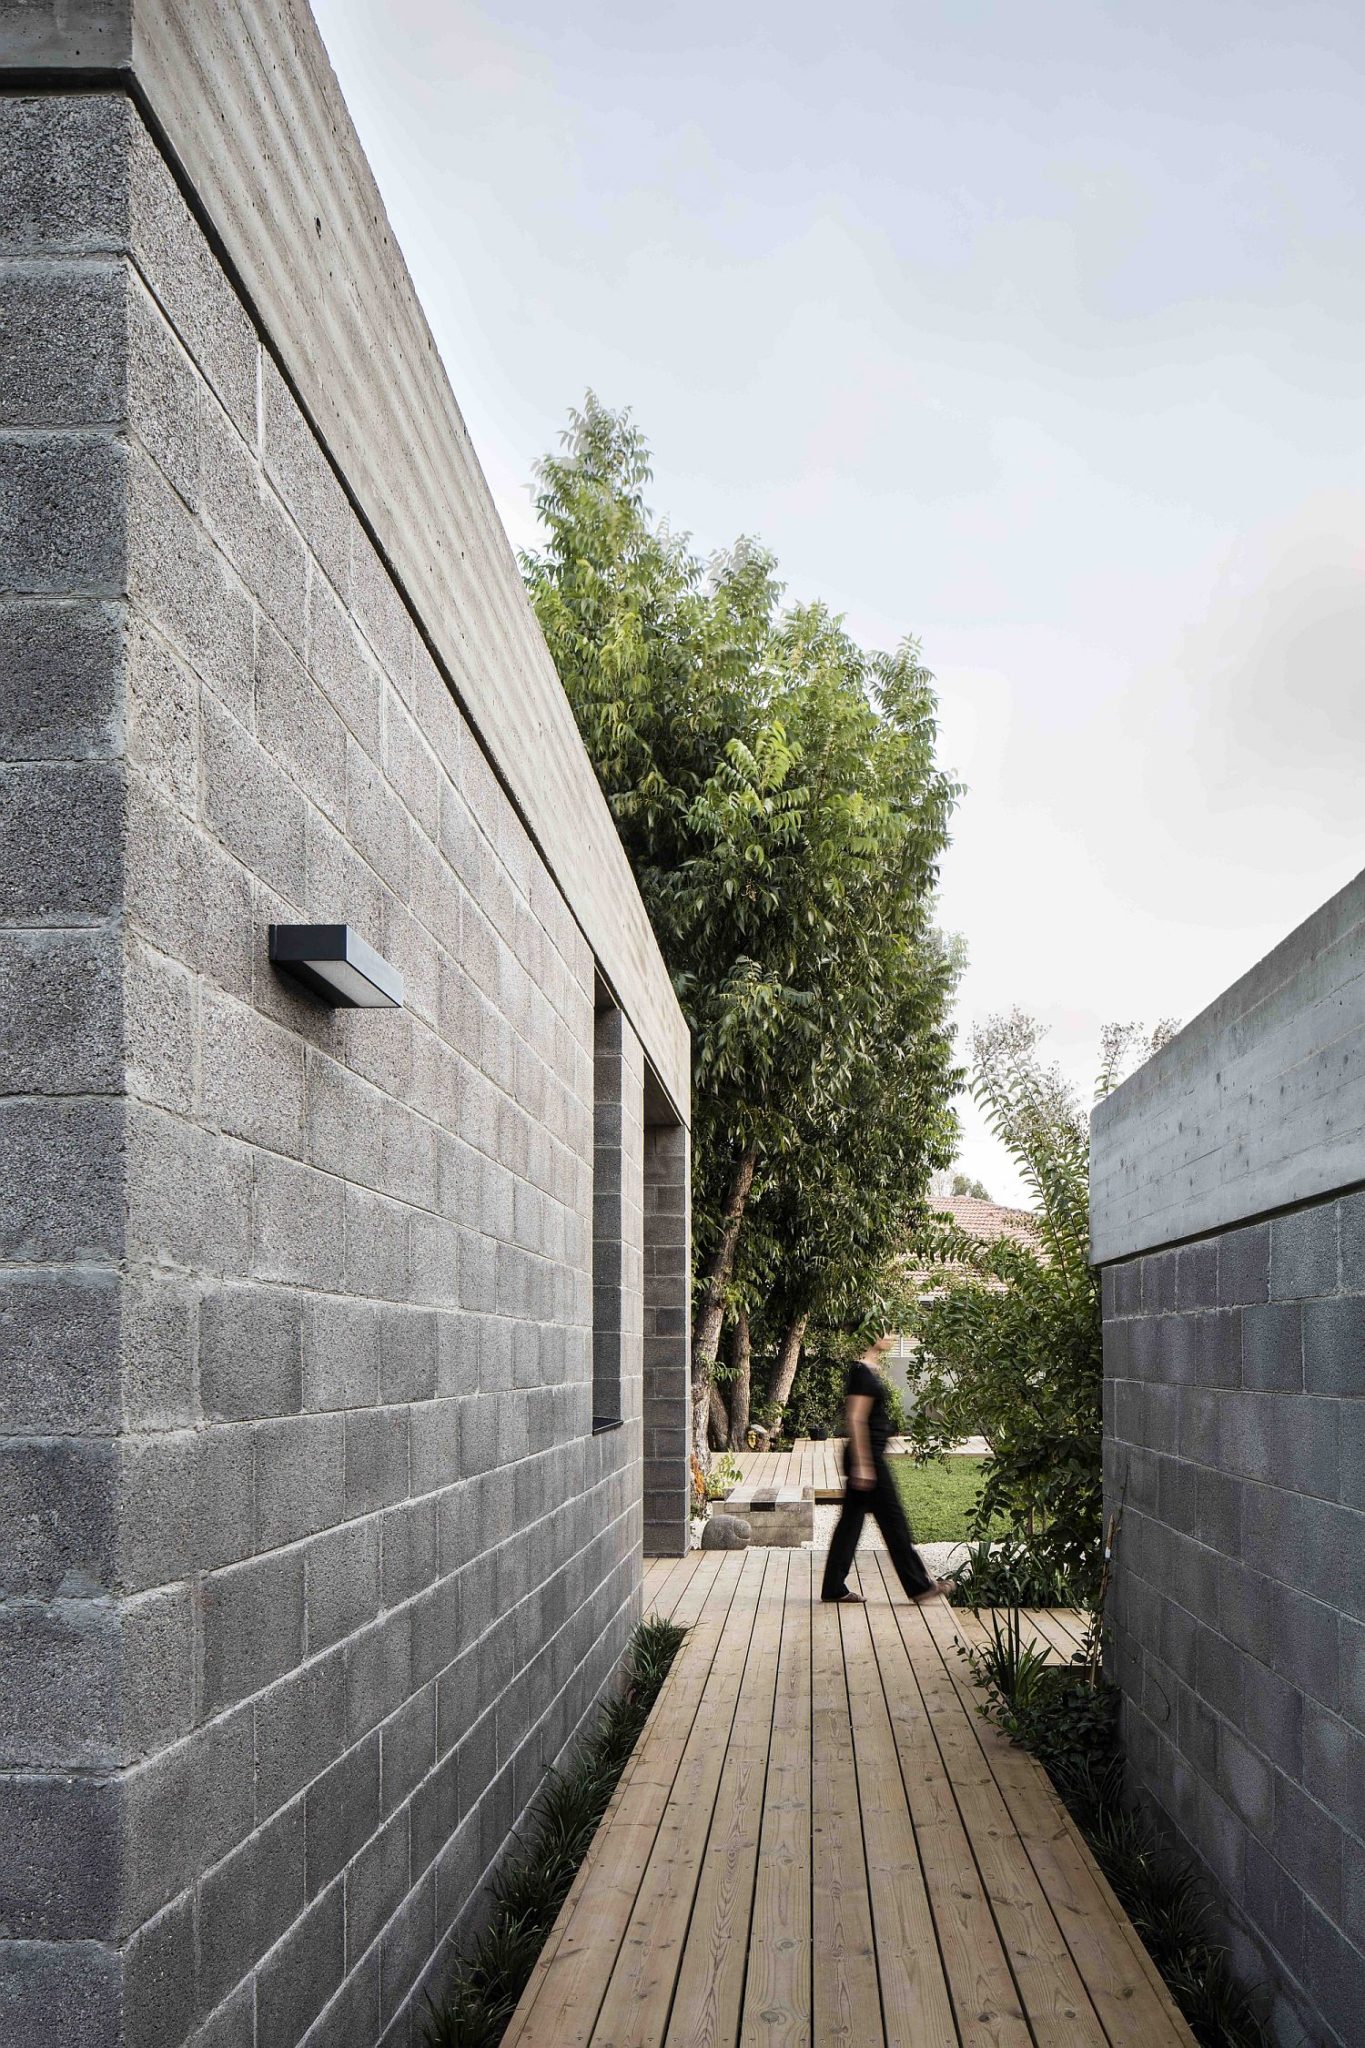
[
  {"x": 1010, "y": 1346},
  {"x": 776, "y": 791}
]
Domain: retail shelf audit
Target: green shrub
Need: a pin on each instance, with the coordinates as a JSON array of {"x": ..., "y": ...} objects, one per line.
[
  {"x": 1064, "y": 1714},
  {"x": 723, "y": 1477},
  {"x": 816, "y": 1401},
  {"x": 533, "y": 1884},
  {"x": 1010, "y": 1344},
  {"x": 1009, "y": 1573}
]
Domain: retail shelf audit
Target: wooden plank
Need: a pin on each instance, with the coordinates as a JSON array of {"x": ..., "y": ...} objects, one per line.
[
  {"x": 634, "y": 2009},
  {"x": 1120, "y": 1978},
  {"x": 1045, "y": 1624},
  {"x": 820, "y": 1841},
  {"x": 601, "y": 1846},
  {"x": 846, "y": 1995},
  {"x": 985, "y": 1996},
  {"x": 1076, "y": 1621},
  {"x": 806, "y": 1476},
  {"x": 1045, "y": 1821},
  {"x": 1053, "y": 1995},
  {"x": 917, "y": 2008},
  {"x": 702, "y": 1581},
  {"x": 777, "y": 1990},
  {"x": 710, "y": 1989},
  {"x": 672, "y": 1581},
  {"x": 660, "y": 1573},
  {"x": 1030, "y": 1634},
  {"x": 560, "y": 2003},
  {"x": 700, "y": 1571}
]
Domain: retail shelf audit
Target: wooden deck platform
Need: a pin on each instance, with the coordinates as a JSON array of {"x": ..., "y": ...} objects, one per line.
[
  {"x": 819, "y": 1841},
  {"x": 810, "y": 1470}
]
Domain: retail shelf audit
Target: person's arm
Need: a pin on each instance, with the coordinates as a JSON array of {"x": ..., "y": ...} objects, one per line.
[{"x": 861, "y": 1474}]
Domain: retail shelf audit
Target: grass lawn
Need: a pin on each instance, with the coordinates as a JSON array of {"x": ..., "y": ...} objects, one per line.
[{"x": 939, "y": 1497}]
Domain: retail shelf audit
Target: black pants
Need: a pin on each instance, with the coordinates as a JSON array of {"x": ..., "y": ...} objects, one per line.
[{"x": 883, "y": 1503}]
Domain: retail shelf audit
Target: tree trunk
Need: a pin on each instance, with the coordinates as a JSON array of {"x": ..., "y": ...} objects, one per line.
[
  {"x": 718, "y": 1424},
  {"x": 788, "y": 1358},
  {"x": 711, "y": 1310},
  {"x": 739, "y": 1382}
]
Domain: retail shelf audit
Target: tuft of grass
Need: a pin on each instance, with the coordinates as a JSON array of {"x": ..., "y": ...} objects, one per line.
[
  {"x": 942, "y": 1496},
  {"x": 534, "y": 1882}
]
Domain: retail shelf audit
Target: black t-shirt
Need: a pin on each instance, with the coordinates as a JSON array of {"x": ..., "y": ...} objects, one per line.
[{"x": 863, "y": 1380}]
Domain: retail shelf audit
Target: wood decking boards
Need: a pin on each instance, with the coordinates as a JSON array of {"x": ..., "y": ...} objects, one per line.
[
  {"x": 819, "y": 1841},
  {"x": 811, "y": 1467}
]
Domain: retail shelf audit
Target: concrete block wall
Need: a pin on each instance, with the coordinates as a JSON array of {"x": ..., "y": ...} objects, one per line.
[
  {"x": 1235, "y": 1453},
  {"x": 1235, "y": 1378},
  {"x": 618, "y": 1219},
  {"x": 667, "y": 1339},
  {"x": 312, "y": 1560}
]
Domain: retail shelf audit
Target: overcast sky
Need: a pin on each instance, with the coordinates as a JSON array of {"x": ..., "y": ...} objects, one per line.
[{"x": 1034, "y": 331}]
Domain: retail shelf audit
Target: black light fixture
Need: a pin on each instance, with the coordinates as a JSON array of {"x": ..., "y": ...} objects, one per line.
[{"x": 334, "y": 962}]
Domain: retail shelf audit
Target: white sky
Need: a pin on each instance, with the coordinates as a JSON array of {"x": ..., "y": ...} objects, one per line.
[{"x": 1037, "y": 332}]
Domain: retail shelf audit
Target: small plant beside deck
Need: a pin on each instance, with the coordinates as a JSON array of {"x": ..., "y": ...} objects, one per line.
[
  {"x": 532, "y": 1886},
  {"x": 1066, "y": 1715}
]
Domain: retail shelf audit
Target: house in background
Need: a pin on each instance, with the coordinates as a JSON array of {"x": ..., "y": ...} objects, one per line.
[
  {"x": 982, "y": 1219},
  {"x": 343, "y": 1351}
]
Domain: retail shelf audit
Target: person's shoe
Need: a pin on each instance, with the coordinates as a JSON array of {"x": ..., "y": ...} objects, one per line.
[
  {"x": 940, "y": 1590},
  {"x": 833, "y": 1599}
]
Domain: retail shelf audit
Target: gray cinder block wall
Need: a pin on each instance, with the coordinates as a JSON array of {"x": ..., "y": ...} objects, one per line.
[
  {"x": 618, "y": 1246},
  {"x": 310, "y": 1559},
  {"x": 668, "y": 1312},
  {"x": 1229, "y": 1221}
]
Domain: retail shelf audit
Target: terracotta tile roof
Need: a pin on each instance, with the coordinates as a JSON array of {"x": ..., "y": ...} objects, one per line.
[{"x": 985, "y": 1220}]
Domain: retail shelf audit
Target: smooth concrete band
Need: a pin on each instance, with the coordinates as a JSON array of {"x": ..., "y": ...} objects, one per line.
[{"x": 1257, "y": 1105}]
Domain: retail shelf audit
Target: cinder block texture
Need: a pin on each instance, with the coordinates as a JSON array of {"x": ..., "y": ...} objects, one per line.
[
  {"x": 68, "y": 1719},
  {"x": 667, "y": 1341},
  {"x": 618, "y": 1215},
  {"x": 1235, "y": 1450},
  {"x": 313, "y": 1563}
]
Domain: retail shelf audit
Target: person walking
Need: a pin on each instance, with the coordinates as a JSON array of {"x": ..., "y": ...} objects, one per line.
[{"x": 870, "y": 1488}]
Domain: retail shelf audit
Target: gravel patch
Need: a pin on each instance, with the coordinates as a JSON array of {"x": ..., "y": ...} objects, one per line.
[{"x": 938, "y": 1557}]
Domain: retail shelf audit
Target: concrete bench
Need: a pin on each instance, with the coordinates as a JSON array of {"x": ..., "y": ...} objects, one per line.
[{"x": 781, "y": 1517}]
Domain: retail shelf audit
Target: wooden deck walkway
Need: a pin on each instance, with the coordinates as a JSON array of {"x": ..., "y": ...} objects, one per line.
[{"x": 818, "y": 1841}]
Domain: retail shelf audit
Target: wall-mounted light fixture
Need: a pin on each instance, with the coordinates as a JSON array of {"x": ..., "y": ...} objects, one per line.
[{"x": 335, "y": 963}]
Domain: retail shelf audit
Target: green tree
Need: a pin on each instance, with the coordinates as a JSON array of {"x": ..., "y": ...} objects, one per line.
[
  {"x": 831, "y": 1224},
  {"x": 1011, "y": 1344},
  {"x": 776, "y": 793},
  {"x": 963, "y": 1184}
]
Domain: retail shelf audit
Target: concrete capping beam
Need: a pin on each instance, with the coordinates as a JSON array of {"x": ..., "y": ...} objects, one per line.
[
  {"x": 66, "y": 35},
  {"x": 1257, "y": 1105},
  {"x": 247, "y": 104}
]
